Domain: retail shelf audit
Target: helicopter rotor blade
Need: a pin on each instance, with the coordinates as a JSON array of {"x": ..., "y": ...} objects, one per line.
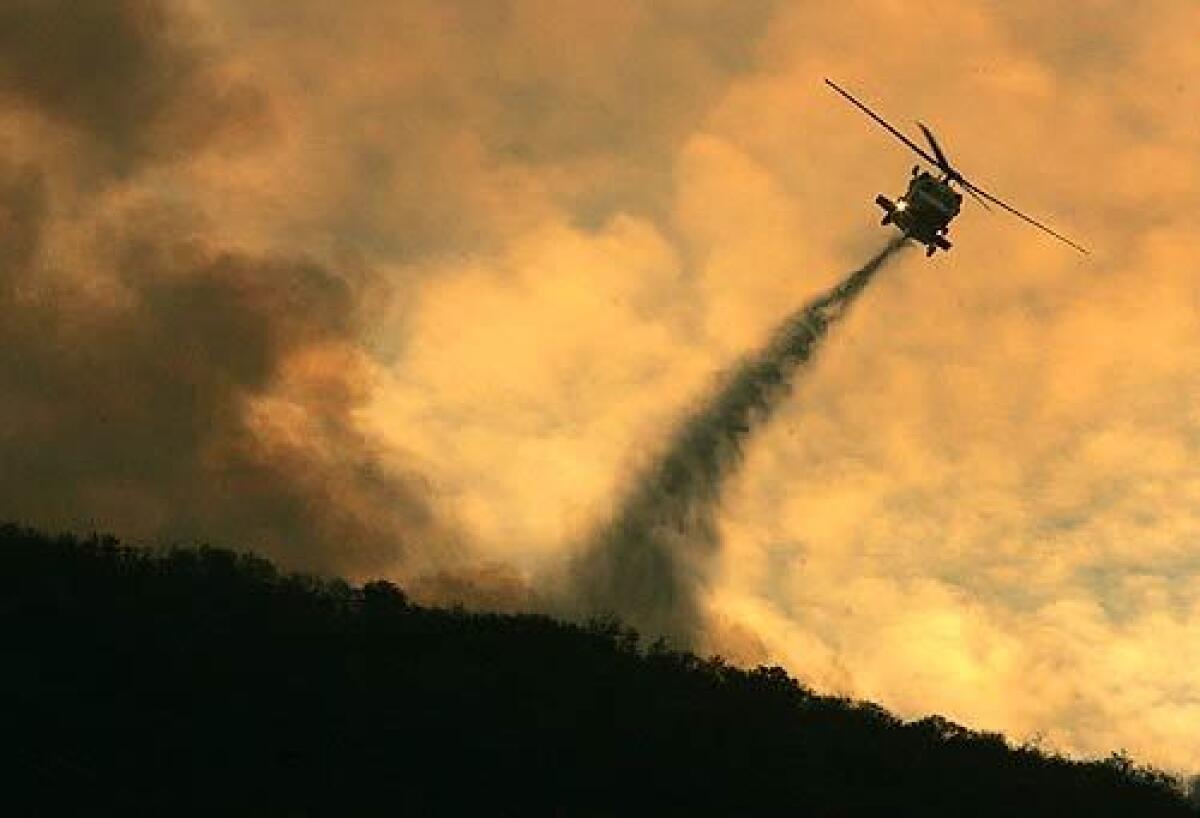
[
  {"x": 1022, "y": 216},
  {"x": 887, "y": 126},
  {"x": 949, "y": 169},
  {"x": 982, "y": 202},
  {"x": 943, "y": 162}
]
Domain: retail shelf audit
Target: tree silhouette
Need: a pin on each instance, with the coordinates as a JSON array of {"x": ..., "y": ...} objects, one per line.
[{"x": 203, "y": 682}]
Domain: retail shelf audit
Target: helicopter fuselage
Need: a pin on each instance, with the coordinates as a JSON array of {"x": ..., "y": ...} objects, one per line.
[{"x": 925, "y": 210}]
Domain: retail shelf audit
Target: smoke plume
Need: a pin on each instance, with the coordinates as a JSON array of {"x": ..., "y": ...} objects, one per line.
[
  {"x": 162, "y": 379},
  {"x": 647, "y": 563},
  {"x": 338, "y": 283}
]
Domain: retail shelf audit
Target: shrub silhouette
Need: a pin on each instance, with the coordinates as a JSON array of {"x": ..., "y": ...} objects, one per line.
[{"x": 204, "y": 682}]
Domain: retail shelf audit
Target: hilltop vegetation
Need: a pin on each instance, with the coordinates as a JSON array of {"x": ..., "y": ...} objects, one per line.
[{"x": 205, "y": 682}]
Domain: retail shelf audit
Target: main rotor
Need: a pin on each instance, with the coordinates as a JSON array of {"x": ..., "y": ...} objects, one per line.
[{"x": 949, "y": 173}]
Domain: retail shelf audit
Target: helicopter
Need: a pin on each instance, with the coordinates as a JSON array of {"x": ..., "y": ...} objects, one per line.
[{"x": 926, "y": 209}]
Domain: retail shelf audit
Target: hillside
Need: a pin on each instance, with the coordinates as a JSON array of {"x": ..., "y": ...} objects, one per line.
[{"x": 205, "y": 682}]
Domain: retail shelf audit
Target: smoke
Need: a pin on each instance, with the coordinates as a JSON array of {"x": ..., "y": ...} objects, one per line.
[
  {"x": 161, "y": 380},
  {"x": 217, "y": 218},
  {"x": 216, "y": 405},
  {"x": 336, "y": 282},
  {"x": 121, "y": 79},
  {"x": 647, "y": 563}
]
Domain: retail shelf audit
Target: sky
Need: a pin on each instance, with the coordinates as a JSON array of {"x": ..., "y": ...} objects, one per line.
[{"x": 419, "y": 289}]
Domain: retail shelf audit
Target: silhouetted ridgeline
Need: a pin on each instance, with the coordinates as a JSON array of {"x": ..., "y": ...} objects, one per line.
[{"x": 204, "y": 682}]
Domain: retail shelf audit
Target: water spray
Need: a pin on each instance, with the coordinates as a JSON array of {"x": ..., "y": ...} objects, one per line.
[{"x": 647, "y": 563}]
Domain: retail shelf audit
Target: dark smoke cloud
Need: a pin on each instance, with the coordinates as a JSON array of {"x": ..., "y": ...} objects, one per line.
[
  {"x": 194, "y": 388},
  {"x": 648, "y": 563},
  {"x": 124, "y": 74},
  {"x": 144, "y": 418},
  {"x": 155, "y": 381},
  {"x": 22, "y": 216},
  {"x": 488, "y": 587}
]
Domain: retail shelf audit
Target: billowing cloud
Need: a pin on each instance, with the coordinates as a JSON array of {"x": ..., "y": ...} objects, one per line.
[
  {"x": 357, "y": 284},
  {"x": 123, "y": 78},
  {"x": 977, "y": 502},
  {"x": 160, "y": 381}
]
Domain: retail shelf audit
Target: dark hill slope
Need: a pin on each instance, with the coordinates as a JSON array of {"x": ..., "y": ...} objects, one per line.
[{"x": 204, "y": 682}]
